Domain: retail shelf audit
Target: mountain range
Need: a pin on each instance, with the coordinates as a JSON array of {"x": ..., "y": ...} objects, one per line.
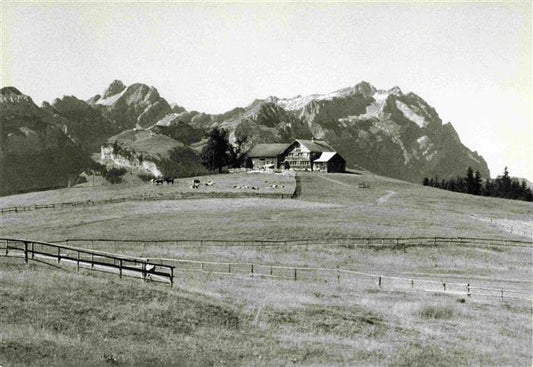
[{"x": 381, "y": 130}]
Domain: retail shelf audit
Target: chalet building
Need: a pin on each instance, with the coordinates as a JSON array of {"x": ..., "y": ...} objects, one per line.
[{"x": 301, "y": 155}]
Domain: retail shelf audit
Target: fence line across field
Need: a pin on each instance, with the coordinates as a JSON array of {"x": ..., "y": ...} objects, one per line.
[
  {"x": 124, "y": 265},
  {"x": 296, "y": 272},
  {"x": 292, "y": 272},
  {"x": 166, "y": 196},
  {"x": 333, "y": 241}
]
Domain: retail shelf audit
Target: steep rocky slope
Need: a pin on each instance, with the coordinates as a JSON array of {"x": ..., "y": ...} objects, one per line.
[
  {"x": 34, "y": 152},
  {"x": 132, "y": 106}
]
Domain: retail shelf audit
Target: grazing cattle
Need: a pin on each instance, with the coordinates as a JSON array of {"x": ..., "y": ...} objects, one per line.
[
  {"x": 169, "y": 181},
  {"x": 159, "y": 181},
  {"x": 209, "y": 183},
  {"x": 195, "y": 184}
]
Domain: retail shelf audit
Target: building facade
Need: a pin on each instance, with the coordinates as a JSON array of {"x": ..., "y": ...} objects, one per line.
[{"x": 301, "y": 155}]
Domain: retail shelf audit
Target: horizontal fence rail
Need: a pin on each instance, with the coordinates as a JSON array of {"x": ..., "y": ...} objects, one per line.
[
  {"x": 165, "y": 196},
  {"x": 349, "y": 242},
  {"x": 122, "y": 265}
]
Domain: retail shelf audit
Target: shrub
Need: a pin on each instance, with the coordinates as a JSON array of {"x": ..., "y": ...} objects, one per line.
[{"x": 114, "y": 175}]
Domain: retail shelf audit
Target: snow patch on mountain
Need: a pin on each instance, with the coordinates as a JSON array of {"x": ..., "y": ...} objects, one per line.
[
  {"x": 111, "y": 99},
  {"x": 296, "y": 103},
  {"x": 410, "y": 114},
  {"x": 375, "y": 109},
  {"x": 168, "y": 119}
]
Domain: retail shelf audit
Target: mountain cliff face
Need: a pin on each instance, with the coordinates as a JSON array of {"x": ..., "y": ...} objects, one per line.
[
  {"x": 135, "y": 106},
  {"x": 34, "y": 152}
]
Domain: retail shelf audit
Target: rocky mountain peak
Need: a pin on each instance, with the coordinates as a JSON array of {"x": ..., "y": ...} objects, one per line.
[
  {"x": 395, "y": 91},
  {"x": 7, "y": 91},
  {"x": 115, "y": 87},
  {"x": 365, "y": 88}
]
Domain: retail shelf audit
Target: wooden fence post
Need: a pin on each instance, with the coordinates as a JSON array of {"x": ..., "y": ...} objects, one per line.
[
  {"x": 7, "y": 246},
  {"x": 468, "y": 289},
  {"x": 92, "y": 261},
  {"x": 252, "y": 269},
  {"x": 59, "y": 254},
  {"x": 144, "y": 271},
  {"x": 25, "y": 252},
  {"x": 171, "y": 277},
  {"x": 271, "y": 271},
  {"x": 379, "y": 281},
  {"x": 120, "y": 268},
  {"x": 444, "y": 286},
  {"x": 502, "y": 294},
  {"x": 295, "y": 275},
  {"x": 78, "y": 262},
  {"x": 412, "y": 283},
  {"x": 32, "y": 253},
  {"x": 338, "y": 278}
]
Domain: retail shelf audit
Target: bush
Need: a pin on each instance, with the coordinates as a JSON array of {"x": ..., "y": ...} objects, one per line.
[{"x": 114, "y": 175}]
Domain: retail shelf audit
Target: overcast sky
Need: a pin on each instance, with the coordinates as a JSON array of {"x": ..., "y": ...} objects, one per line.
[{"x": 471, "y": 61}]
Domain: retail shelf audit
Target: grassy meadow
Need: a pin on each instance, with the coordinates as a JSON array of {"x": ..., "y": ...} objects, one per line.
[{"x": 54, "y": 316}]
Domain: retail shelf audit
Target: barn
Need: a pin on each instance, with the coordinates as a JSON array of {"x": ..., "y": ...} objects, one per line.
[{"x": 264, "y": 156}]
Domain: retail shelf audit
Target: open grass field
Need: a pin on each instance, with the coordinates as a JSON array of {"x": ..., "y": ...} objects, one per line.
[{"x": 58, "y": 317}]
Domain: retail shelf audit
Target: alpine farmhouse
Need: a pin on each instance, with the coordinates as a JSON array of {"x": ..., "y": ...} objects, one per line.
[{"x": 301, "y": 155}]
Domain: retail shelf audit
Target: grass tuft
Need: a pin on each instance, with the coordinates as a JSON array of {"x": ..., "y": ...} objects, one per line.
[{"x": 437, "y": 312}]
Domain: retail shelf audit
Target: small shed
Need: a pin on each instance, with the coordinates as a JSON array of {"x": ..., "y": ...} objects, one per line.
[{"x": 329, "y": 162}]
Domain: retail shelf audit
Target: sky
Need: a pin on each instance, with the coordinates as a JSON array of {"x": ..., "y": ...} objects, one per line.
[{"x": 471, "y": 61}]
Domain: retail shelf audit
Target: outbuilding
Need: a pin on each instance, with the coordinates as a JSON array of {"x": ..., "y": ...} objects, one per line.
[{"x": 329, "y": 162}]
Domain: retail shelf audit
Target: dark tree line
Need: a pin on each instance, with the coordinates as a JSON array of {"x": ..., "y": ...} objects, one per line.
[
  {"x": 219, "y": 152},
  {"x": 502, "y": 187}
]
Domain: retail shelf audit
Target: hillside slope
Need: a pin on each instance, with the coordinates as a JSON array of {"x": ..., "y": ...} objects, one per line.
[{"x": 34, "y": 152}]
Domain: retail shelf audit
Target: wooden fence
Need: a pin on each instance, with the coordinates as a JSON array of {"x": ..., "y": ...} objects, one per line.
[
  {"x": 348, "y": 242},
  {"x": 122, "y": 265},
  {"x": 343, "y": 277},
  {"x": 162, "y": 269},
  {"x": 167, "y": 196}
]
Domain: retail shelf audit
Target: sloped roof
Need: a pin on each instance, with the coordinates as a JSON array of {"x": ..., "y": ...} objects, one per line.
[
  {"x": 316, "y": 145},
  {"x": 325, "y": 157},
  {"x": 267, "y": 150}
]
